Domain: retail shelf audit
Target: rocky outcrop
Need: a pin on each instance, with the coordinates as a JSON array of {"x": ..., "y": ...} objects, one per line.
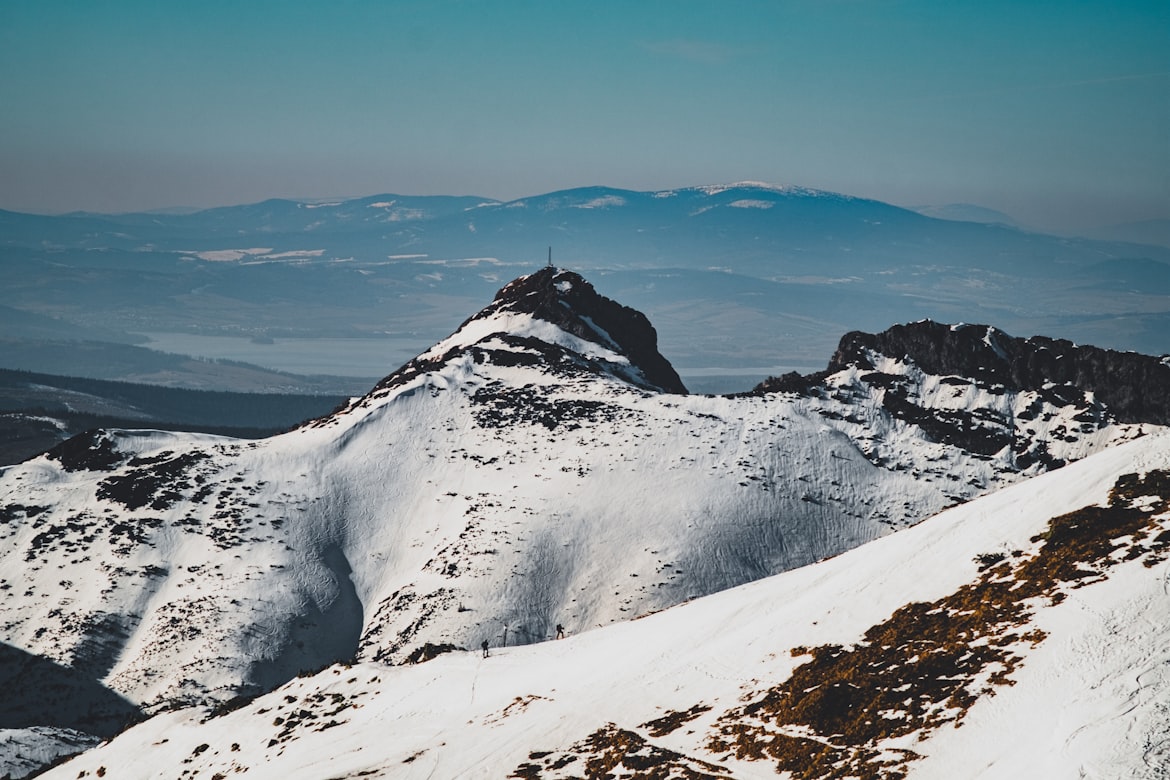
[
  {"x": 1134, "y": 387},
  {"x": 568, "y": 301},
  {"x": 563, "y": 299},
  {"x": 1033, "y": 403}
]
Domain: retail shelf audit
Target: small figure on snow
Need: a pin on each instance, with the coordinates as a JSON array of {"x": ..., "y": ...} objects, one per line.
[
  {"x": 484, "y": 645},
  {"x": 560, "y": 631}
]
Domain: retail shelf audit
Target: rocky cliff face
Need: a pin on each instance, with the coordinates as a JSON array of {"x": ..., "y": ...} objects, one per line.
[
  {"x": 566, "y": 300},
  {"x": 984, "y": 392},
  {"x": 1134, "y": 387}
]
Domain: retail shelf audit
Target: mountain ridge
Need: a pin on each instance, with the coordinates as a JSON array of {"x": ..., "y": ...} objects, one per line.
[
  {"x": 701, "y": 690},
  {"x": 1127, "y": 382},
  {"x": 515, "y": 477}
]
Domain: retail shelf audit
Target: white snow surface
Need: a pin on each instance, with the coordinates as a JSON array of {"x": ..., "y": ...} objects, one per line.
[
  {"x": 601, "y": 203},
  {"x": 228, "y": 255},
  {"x": 499, "y": 488},
  {"x": 525, "y": 326},
  {"x": 1088, "y": 701},
  {"x": 711, "y": 190}
]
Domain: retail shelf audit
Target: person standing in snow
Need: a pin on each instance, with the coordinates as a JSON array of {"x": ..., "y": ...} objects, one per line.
[
  {"x": 484, "y": 645},
  {"x": 560, "y": 631}
]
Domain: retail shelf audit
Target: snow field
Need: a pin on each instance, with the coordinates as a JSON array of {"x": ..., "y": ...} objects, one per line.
[
  {"x": 1084, "y": 700},
  {"x": 504, "y": 490}
]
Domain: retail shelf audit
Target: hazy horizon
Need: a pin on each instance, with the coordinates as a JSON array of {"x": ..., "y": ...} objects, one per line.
[{"x": 1056, "y": 115}]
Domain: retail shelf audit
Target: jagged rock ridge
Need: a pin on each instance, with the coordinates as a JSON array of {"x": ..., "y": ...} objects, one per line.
[
  {"x": 978, "y": 388},
  {"x": 1130, "y": 384},
  {"x": 627, "y": 344}
]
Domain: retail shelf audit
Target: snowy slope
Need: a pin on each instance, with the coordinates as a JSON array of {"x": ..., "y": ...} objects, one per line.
[
  {"x": 540, "y": 466},
  {"x": 1061, "y": 670}
]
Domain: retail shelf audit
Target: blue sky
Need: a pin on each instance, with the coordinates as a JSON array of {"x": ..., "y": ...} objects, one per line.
[{"x": 1055, "y": 112}]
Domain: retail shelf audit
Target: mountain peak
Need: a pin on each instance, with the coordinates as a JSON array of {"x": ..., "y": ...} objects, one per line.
[
  {"x": 556, "y": 314},
  {"x": 565, "y": 299}
]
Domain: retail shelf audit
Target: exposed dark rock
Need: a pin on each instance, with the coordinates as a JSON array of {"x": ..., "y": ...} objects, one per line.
[
  {"x": 564, "y": 299},
  {"x": 1135, "y": 387},
  {"x": 568, "y": 301},
  {"x": 12, "y": 512},
  {"x": 980, "y": 431},
  {"x": 428, "y": 651},
  {"x": 1102, "y": 386},
  {"x": 792, "y": 382},
  {"x": 612, "y": 748},
  {"x": 93, "y": 450},
  {"x": 506, "y": 407},
  {"x": 158, "y": 482}
]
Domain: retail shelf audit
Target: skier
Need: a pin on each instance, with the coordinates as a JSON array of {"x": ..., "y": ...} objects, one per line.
[
  {"x": 560, "y": 631},
  {"x": 484, "y": 645}
]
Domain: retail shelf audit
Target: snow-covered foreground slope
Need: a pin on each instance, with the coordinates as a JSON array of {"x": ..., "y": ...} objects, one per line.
[
  {"x": 1024, "y": 634},
  {"x": 542, "y": 466}
]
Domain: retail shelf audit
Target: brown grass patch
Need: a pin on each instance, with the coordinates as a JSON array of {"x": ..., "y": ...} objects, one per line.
[
  {"x": 612, "y": 752},
  {"x": 929, "y": 662},
  {"x": 673, "y": 720}
]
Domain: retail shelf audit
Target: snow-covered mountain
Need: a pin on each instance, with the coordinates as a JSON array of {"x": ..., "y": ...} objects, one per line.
[
  {"x": 1024, "y": 634},
  {"x": 541, "y": 466}
]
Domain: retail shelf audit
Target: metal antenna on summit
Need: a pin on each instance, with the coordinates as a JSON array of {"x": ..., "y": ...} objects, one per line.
[{"x": 550, "y": 257}]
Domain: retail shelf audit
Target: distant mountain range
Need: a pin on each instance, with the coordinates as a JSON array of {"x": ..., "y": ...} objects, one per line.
[
  {"x": 967, "y": 212},
  {"x": 543, "y": 469},
  {"x": 744, "y": 277},
  {"x": 1153, "y": 231}
]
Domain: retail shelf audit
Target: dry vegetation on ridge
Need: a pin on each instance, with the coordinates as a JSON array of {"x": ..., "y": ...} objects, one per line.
[{"x": 848, "y": 711}]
